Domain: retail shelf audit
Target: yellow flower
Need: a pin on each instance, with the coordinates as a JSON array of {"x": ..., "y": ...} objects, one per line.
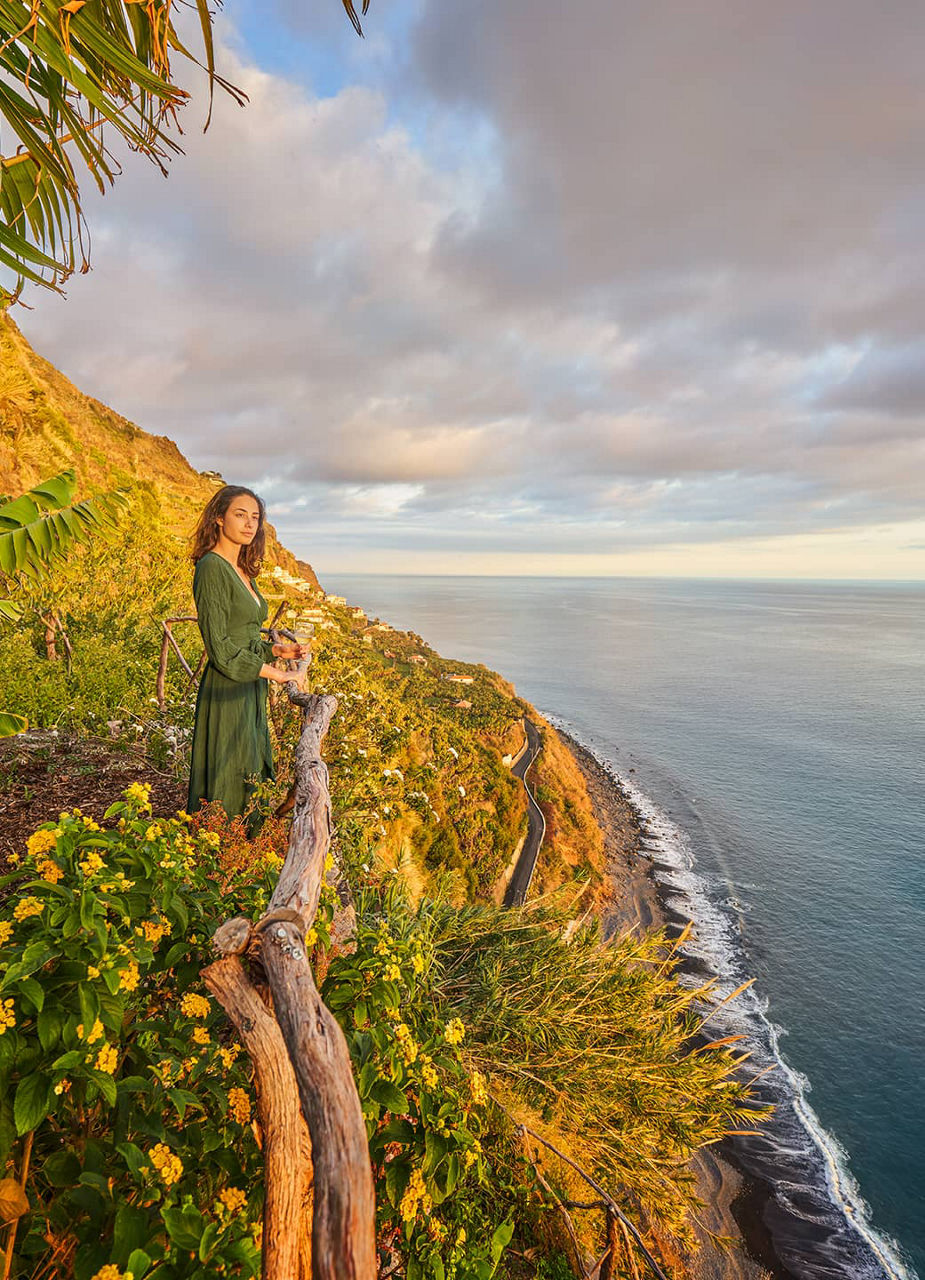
[
  {"x": 382, "y": 947},
  {"x": 107, "y": 1058},
  {"x": 91, "y": 863},
  {"x": 139, "y": 791},
  {"x": 212, "y": 838},
  {"x": 92, "y": 971},
  {"x": 169, "y": 1166},
  {"x": 153, "y": 930},
  {"x": 392, "y": 973},
  {"x": 90, "y": 824},
  {"x": 232, "y": 1199},
  {"x": 195, "y": 1006},
  {"x": 50, "y": 871},
  {"x": 153, "y": 831},
  {"x": 415, "y": 1194},
  {"x": 311, "y": 937},
  {"x": 477, "y": 1088},
  {"x": 95, "y": 1034},
  {"x": 63, "y": 1086},
  {"x": 228, "y": 1055},
  {"x": 417, "y": 962},
  {"x": 239, "y": 1104},
  {"x": 201, "y": 1036},
  {"x": 112, "y": 1272},
  {"x": 454, "y": 1031},
  {"x": 130, "y": 977},
  {"x": 6, "y": 930},
  {"x": 40, "y": 842},
  {"x": 7, "y": 1016},
  {"x": 429, "y": 1076},
  {"x": 27, "y": 907},
  {"x": 472, "y": 1154}
]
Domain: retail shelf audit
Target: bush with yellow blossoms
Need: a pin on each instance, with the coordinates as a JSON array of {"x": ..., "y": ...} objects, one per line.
[
  {"x": 442, "y": 1201},
  {"x": 116, "y": 1069}
]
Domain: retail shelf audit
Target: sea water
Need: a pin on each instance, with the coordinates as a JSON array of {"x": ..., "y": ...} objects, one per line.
[{"x": 772, "y": 733}]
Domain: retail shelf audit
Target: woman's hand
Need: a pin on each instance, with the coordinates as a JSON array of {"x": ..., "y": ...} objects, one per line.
[
  {"x": 291, "y": 651},
  {"x": 278, "y": 676}
]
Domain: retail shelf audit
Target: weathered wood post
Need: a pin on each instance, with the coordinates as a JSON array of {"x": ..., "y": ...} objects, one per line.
[{"x": 343, "y": 1244}]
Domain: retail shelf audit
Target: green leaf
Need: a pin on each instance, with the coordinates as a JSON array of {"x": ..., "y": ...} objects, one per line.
[
  {"x": 11, "y": 724},
  {"x": 50, "y": 1023},
  {"x": 501, "y": 1239},
  {"x": 33, "y": 992},
  {"x": 207, "y": 1243},
  {"x": 32, "y": 1102},
  {"x": 390, "y": 1096},
  {"x": 130, "y": 1232},
  {"x": 397, "y": 1176},
  {"x": 138, "y": 1263},
  {"x": 105, "y": 1084},
  {"x": 72, "y": 1058},
  {"x": 62, "y": 1169},
  {"x": 184, "y": 1226}
]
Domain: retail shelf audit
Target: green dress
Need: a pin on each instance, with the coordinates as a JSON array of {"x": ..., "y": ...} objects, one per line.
[{"x": 231, "y": 737}]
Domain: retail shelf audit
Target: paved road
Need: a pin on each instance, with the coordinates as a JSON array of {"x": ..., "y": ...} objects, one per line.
[{"x": 536, "y": 825}]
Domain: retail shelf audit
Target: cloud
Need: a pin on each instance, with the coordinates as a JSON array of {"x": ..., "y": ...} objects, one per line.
[{"x": 534, "y": 281}]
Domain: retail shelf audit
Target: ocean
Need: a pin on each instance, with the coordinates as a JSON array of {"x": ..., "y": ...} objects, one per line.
[{"x": 772, "y": 733}]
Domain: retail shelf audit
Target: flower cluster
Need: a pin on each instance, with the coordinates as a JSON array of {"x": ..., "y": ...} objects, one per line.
[
  {"x": 168, "y": 1165},
  {"x": 7, "y": 1016},
  {"x": 239, "y": 1104},
  {"x": 112, "y": 1272},
  {"x": 107, "y": 1059},
  {"x": 194, "y": 1005},
  {"x": 416, "y": 1196},
  {"x": 232, "y": 1199},
  {"x": 41, "y": 841},
  {"x": 27, "y": 907},
  {"x": 454, "y": 1031}
]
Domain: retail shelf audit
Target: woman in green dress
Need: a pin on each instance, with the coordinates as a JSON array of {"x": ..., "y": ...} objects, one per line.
[{"x": 231, "y": 738}]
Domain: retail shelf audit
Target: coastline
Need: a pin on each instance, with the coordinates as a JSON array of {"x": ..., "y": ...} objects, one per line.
[{"x": 735, "y": 1201}]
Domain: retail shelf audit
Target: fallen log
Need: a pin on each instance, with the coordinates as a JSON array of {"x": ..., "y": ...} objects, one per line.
[{"x": 343, "y": 1245}]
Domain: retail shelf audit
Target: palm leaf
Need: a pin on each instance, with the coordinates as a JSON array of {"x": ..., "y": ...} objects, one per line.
[{"x": 10, "y": 724}]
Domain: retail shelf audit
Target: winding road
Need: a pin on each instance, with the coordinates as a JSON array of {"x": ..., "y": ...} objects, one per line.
[{"x": 519, "y": 885}]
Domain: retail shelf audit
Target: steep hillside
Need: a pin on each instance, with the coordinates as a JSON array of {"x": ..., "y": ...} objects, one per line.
[
  {"x": 46, "y": 424},
  {"x": 441, "y": 799}
]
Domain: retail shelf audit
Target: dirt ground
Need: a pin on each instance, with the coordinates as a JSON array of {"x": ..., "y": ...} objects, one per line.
[{"x": 42, "y": 772}]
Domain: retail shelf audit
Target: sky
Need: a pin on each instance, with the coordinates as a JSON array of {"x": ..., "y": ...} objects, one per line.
[{"x": 537, "y": 288}]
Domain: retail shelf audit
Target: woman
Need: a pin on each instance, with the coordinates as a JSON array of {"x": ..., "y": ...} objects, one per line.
[{"x": 231, "y": 738}]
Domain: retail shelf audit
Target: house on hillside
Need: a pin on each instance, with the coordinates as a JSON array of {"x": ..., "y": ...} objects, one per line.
[
  {"x": 338, "y": 600},
  {"x": 356, "y": 612},
  {"x": 459, "y": 679},
  {"x": 419, "y": 659},
  {"x": 464, "y": 703}
]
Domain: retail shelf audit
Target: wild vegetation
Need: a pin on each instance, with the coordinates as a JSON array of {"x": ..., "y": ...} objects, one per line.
[{"x": 129, "y": 1122}]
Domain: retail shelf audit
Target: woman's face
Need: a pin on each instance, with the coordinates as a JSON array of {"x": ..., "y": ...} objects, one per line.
[{"x": 241, "y": 521}]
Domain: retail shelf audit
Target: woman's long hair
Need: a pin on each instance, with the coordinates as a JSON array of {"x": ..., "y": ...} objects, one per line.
[{"x": 207, "y": 530}]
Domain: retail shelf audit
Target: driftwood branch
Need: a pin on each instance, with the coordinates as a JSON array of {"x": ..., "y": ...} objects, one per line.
[
  {"x": 343, "y": 1213},
  {"x": 286, "y": 1142}
]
